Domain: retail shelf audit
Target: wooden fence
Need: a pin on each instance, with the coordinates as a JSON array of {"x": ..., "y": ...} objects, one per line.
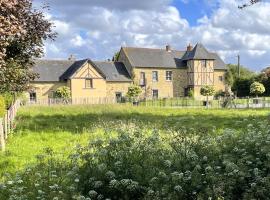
[{"x": 6, "y": 123}]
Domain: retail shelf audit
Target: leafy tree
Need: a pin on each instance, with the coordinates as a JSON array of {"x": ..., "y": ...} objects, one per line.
[
  {"x": 23, "y": 31},
  {"x": 232, "y": 74},
  {"x": 116, "y": 56},
  {"x": 250, "y": 3},
  {"x": 257, "y": 88},
  {"x": 264, "y": 78},
  {"x": 241, "y": 87},
  {"x": 133, "y": 92},
  {"x": 207, "y": 91},
  {"x": 63, "y": 92}
]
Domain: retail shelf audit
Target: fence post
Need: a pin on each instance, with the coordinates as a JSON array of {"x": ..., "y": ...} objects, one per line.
[
  {"x": 6, "y": 125},
  {"x": 2, "y": 137}
]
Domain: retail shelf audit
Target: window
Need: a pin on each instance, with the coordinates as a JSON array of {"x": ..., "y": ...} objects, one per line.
[
  {"x": 89, "y": 83},
  {"x": 204, "y": 63},
  {"x": 155, "y": 76},
  {"x": 33, "y": 96},
  {"x": 142, "y": 79},
  {"x": 220, "y": 78},
  {"x": 155, "y": 94},
  {"x": 118, "y": 96},
  {"x": 168, "y": 75}
]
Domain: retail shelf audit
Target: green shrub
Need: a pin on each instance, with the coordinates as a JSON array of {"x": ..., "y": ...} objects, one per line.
[
  {"x": 2, "y": 106},
  {"x": 133, "y": 92},
  {"x": 63, "y": 92},
  {"x": 257, "y": 88},
  {"x": 8, "y": 99}
]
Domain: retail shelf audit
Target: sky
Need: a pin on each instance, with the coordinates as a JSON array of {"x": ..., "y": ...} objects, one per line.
[{"x": 96, "y": 29}]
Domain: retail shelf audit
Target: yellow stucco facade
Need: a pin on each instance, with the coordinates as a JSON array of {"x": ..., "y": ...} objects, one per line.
[
  {"x": 183, "y": 71},
  {"x": 106, "y": 89}
]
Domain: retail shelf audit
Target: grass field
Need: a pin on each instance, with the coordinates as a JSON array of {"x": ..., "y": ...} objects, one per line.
[
  {"x": 61, "y": 128},
  {"x": 111, "y": 152}
]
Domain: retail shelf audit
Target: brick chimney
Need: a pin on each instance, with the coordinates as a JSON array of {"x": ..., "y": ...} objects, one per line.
[
  {"x": 189, "y": 47},
  {"x": 72, "y": 57},
  {"x": 168, "y": 48}
]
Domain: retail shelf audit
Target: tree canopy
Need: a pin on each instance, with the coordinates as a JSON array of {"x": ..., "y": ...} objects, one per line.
[
  {"x": 207, "y": 90},
  {"x": 23, "y": 30},
  {"x": 232, "y": 74},
  {"x": 257, "y": 88}
]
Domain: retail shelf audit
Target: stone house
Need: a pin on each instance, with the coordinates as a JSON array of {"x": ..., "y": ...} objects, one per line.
[{"x": 161, "y": 73}]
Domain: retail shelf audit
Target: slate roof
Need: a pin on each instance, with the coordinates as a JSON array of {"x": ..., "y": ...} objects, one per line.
[
  {"x": 72, "y": 69},
  {"x": 198, "y": 52},
  {"x": 146, "y": 57},
  {"x": 61, "y": 70},
  {"x": 113, "y": 71},
  {"x": 51, "y": 70}
]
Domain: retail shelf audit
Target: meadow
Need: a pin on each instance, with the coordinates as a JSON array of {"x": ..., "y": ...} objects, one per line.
[{"x": 106, "y": 132}]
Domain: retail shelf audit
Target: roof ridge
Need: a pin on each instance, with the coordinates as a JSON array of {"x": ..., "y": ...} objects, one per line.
[{"x": 148, "y": 48}]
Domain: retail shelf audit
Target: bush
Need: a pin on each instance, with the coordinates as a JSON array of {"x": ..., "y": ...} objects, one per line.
[
  {"x": 63, "y": 92},
  {"x": 2, "y": 106},
  {"x": 133, "y": 92},
  {"x": 257, "y": 88},
  {"x": 8, "y": 99}
]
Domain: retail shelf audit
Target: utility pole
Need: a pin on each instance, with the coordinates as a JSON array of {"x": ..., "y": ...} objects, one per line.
[{"x": 238, "y": 65}]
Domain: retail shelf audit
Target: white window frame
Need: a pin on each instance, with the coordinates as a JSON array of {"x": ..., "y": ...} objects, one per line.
[{"x": 155, "y": 76}]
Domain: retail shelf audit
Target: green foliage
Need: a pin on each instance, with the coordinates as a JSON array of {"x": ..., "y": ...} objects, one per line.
[
  {"x": 63, "y": 92},
  {"x": 116, "y": 56},
  {"x": 242, "y": 87},
  {"x": 133, "y": 92},
  {"x": 9, "y": 98},
  {"x": 136, "y": 163},
  {"x": 232, "y": 74},
  {"x": 207, "y": 90},
  {"x": 264, "y": 78},
  {"x": 220, "y": 93},
  {"x": 257, "y": 88},
  {"x": 22, "y": 39},
  {"x": 2, "y": 106},
  {"x": 191, "y": 93}
]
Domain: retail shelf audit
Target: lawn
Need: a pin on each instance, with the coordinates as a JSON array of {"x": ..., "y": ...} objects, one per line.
[{"x": 61, "y": 128}]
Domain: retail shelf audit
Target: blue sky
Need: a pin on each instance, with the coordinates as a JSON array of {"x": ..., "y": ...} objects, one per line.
[
  {"x": 194, "y": 9},
  {"x": 96, "y": 29}
]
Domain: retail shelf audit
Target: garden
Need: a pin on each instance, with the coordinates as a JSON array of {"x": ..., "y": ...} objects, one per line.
[{"x": 129, "y": 152}]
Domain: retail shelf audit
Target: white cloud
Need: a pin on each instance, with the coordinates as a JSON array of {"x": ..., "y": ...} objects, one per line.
[{"x": 97, "y": 29}]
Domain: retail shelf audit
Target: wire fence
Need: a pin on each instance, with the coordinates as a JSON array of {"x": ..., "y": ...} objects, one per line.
[
  {"x": 74, "y": 101},
  {"x": 239, "y": 103},
  {"x": 181, "y": 102}
]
